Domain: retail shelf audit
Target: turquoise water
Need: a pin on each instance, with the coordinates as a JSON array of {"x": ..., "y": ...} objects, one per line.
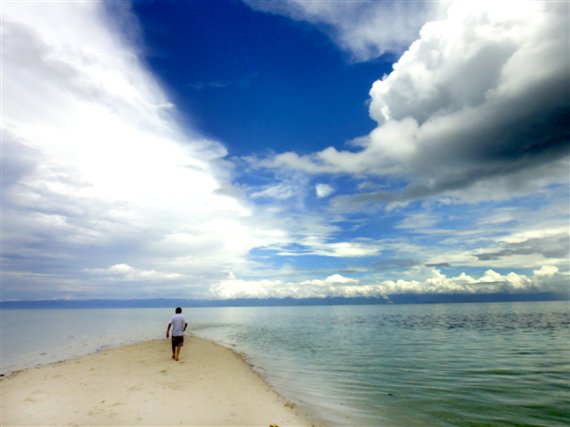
[{"x": 503, "y": 364}]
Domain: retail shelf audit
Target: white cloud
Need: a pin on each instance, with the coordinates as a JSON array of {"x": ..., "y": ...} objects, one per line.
[
  {"x": 418, "y": 221},
  {"x": 332, "y": 280},
  {"x": 364, "y": 29},
  {"x": 474, "y": 109},
  {"x": 498, "y": 249},
  {"x": 96, "y": 170},
  {"x": 323, "y": 190},
  {"x": 124, "y": 272},
  {"x": 546, "y": 271},
  {"x": 279, "y": 192},
  {"x": 316, "y": 245},
  {"x": 547, "y": 279}
]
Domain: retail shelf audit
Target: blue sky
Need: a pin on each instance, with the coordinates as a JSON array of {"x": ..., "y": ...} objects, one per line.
[
  {"x": 228, "y": 149},
  {"x": 279, "y": 84}
]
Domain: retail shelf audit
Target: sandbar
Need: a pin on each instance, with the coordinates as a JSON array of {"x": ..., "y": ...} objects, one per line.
[{"x": 139, "y": 384}]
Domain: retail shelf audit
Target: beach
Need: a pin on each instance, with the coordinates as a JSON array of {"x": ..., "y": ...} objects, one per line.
[{"x": 139, "y": 384}]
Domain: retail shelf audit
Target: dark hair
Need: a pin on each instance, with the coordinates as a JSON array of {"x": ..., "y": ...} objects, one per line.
[{"x": 178, "y": 310}]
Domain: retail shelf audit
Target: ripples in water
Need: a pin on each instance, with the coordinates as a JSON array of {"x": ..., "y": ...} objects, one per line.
[{"x": 449, "y": 365}]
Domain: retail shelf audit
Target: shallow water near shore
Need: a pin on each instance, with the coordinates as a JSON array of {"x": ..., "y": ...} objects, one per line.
[{"x": 497, "y": 364}]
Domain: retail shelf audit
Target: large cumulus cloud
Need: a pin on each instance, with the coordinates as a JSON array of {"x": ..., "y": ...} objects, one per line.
[{"x": 476, "y": 108}]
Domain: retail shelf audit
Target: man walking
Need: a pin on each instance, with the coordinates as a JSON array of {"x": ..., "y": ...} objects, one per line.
[{"x": 179, "y": 325}]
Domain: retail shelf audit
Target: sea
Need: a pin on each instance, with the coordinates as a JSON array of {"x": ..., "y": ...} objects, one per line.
[{"x": 472, "y": 364}]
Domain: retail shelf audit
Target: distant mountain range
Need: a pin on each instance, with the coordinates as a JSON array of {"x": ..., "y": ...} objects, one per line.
[{"x": 244, "y": 302}]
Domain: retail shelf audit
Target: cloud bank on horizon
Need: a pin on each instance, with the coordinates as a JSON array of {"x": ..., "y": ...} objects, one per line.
[{"x": 461, "y": 187}]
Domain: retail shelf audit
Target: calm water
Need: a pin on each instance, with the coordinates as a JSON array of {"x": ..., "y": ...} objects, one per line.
[{"x": 504, "y": 364}]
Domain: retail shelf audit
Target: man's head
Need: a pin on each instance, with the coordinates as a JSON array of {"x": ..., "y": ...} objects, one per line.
[{"x": 178, "y": 310}]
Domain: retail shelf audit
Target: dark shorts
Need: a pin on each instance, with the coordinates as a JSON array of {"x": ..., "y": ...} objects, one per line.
[{"x": 178, "y": 341}]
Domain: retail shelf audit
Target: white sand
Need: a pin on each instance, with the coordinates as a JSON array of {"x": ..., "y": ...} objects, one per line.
[{"x": 141, "y": 385}]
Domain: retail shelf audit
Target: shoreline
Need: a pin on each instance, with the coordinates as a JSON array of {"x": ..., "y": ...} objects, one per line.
[{"x": 139, "y": 384}]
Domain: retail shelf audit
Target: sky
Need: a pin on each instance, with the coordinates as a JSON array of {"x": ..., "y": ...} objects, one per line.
[{"x": 293, "y": 149}]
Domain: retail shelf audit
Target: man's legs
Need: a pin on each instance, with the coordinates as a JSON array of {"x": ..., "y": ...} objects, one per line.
[
  {"x": 177, "y": 356},
  {"x": 177, "y": 343}
]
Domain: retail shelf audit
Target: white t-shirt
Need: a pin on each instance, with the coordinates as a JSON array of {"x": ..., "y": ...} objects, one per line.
[{"x": 178, "y": 321}]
